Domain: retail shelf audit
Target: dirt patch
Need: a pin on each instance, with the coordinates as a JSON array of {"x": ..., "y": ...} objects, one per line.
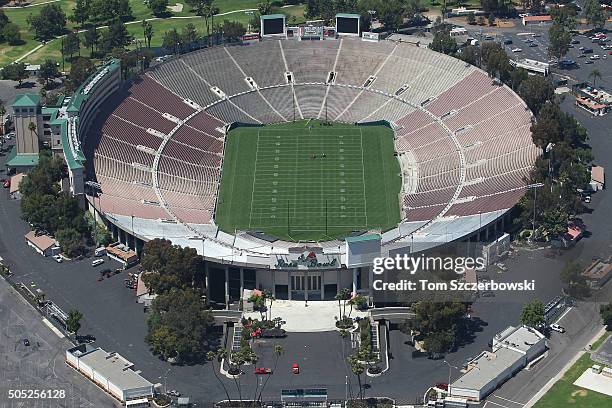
[
  {"x": 579, "y": 393},
  {"x": 505, "y": 23},
  {"x": 177, "y": 8}
]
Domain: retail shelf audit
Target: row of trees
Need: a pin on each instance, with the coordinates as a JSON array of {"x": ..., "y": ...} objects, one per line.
[
  {"x": 179, "y": 323},
  {"x": 47, "y": 208},
  {"x": 99, "y": 12}
]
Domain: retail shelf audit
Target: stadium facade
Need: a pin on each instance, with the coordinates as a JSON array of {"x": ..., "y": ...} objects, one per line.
[{"x": 153, "y": 149}]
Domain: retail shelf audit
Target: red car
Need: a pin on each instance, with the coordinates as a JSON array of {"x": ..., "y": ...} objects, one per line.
[
  {"x": 442, "y": 386},
  {"x": 262, "y": 370},
  {"x": 295, "y": 368},
  {"x": 7, "y": 183}
]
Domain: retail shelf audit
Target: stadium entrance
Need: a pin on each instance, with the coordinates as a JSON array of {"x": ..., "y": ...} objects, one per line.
[{"x": 306, "y": 285}]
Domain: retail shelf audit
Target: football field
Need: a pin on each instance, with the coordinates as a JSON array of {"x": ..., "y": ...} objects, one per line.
[{"x": 308, "y": 180}]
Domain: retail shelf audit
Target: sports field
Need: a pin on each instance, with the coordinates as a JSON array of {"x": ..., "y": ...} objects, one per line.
[{"x": 309, "y": 181}]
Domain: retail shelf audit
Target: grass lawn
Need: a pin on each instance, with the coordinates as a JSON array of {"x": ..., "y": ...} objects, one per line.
[
  {"x": 272, "y": 183},
  {"x": 564, "y": 393},
  {"x": 140, "y": 11},
  {"x": 600, "y": 340}
]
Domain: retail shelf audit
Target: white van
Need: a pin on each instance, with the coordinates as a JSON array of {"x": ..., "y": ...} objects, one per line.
[
  {"x": 97, "y": 262},
  {"x": 100, "y": 251}
]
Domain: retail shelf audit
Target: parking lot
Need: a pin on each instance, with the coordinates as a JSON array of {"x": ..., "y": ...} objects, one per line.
[{"x": 38, "y": 363}]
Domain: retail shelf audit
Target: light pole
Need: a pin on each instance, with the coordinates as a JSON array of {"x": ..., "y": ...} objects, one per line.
[
  {"x": 449, "y": 376},
  {"x": 535, "y": 187},
  {"x": 165, "y": 377}
]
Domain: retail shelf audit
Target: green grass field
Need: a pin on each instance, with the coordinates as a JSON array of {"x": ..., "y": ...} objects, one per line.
[
  {"x": 564, "y": 393},
  {"x": 272, "y": 183}
]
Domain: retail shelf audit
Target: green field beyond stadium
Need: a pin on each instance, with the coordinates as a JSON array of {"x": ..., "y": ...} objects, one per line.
[{"x": 309, "y": 181}]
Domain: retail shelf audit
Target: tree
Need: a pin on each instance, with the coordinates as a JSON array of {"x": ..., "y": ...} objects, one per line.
[
  {"x": 70, "y": 240},
  {"x": 11, "y": 34},
  {"x": 390, "y": 14},
  {"x": 158, "y": 7},
  {"x": 343, "y": 295},
  {"x": 471, "y": 18},
  {"x": 50, "y": 22},
  {"x": 48, "y": 72},
  {"x": 536, "y": 91},
  {"x": 491, "y": 19},
  {"x": 481, "y": 20},
  {"x": 171, "y": 266},
  {"x": 147, "y": 31},
  {"x": 437, "y": 323},
  {"x": 124, "y": 10},
  {"x": 233, "y": 30},
  {"x": 443, "y": 42},
  {"x": 356, "y": 368},
  {"x": 595, "y": 74},
  {"x": 15, "y": 72},
  {"x": 571, "y": 275},
  {"x": 80, "y": 70},
  {"x": 117, "y": 36},
  {"x": 71, "y": 45},
  {"x": 171, "y": 41},
  {"x": 559, "y": 41},
  {"x": 264, "y": 8},
  {"x": 606, "y": 315},
  {"x": 495, "y": 60},
  {"x": 189, "y": 35},
  {"x": 594, "y": 14},
  {"x": 565, "y": 16},
  {"x": 533, "y": 313},
  {"x": 179, "y": 325},
  {"x": 80, "y": 12},
  {"x": 91, "y": 39},
  {"x": 73, "y": 323}
]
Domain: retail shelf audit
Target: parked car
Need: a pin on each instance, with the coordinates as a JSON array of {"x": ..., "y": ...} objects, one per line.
[
  {"x": 88, "y": 338},
  {"x": 575, "y": 42},
  {"x": 275, "y": 332},
  {"x": 557, "y": 328},
  {"x": 533, "y": 45},
  {"x": 442, "y": 386},
  {"x": 26, "y": 342},
  {"x": 173, "y": 393},
  {"x": 7, "y": 183},
  {"x": 57, "y": 258},
  {"x": 262, "y": 370},
  {"x": 586, "y": 199},
  {"x": 516, "y": 50},
  {"x": 97, "y": 262},
  {"x": 507, "y": 41}
]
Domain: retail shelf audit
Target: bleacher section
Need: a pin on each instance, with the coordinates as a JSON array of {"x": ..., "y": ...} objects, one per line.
[{"x": 467, "y": 139}]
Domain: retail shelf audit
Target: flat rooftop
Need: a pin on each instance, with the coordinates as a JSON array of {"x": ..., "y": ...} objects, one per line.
[
  {"x": 486, "y": 367},
  {"x": 521, "y": 338},
  {"x": 114, "y": 367}
]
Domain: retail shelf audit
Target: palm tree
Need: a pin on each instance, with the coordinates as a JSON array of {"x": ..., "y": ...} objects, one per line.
[
  {"x": 32, "y": 128},
  {"x": 595, "y": 74},
  {"x": 357, "y": 369},
  {"x": 212, "y": 356},
  {"x": 278, "y": 350}
]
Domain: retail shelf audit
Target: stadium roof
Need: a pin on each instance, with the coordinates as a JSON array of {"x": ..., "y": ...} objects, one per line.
[
  {"x": 347, "y": 15},
  {"x": 361, "y": 238}
]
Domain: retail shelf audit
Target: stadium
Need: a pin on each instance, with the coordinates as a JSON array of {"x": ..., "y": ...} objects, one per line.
[{"x": 289, "y": 164}]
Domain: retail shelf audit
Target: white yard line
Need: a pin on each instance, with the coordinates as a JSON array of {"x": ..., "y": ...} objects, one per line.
[
  {"x": 254, "y": 178},
  {"x": 365, "y": 203}
]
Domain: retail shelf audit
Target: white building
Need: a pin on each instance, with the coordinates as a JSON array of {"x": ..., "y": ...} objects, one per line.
[
  {"x": 513, "y": 349},
  {"x": 111, "y": 372}
]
